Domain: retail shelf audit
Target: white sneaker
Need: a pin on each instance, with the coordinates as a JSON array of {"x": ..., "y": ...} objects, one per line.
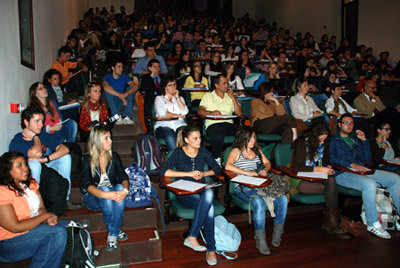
[
  {"x": 119, "y": 121},
  {"x": 378, "y": 230},
  {"x": 128, "y": 121}
]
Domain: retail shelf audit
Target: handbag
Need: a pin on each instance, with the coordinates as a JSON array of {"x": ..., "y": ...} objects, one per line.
[{"x": 278, "y": 187}]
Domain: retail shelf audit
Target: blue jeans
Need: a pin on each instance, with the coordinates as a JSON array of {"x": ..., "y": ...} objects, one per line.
[
  {"x": 318, "y": 98},
  {"x": 169, "y": 135},
  {"x": 112, "y": 210},
  {"x": 367, "y": 185},
  {"x": 45, "y": 244},
  {"x": 280, "y": 207},
  {"x": 62, "y": 165},
  {"x": 203, "y": 215},
  {"x": 117, "y": 106},
  {"x": 70, "y": 129}
]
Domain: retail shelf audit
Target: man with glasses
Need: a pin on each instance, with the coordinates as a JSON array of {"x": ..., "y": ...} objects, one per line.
[
  {"x": 368, "y": 102},
  {"x": 351, "y": 150}
]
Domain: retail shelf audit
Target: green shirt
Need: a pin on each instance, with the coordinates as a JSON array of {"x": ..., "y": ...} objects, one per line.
[{"x": 349, "y": 141}]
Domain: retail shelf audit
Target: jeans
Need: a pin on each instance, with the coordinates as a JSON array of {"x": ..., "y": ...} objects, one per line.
[
  {"x": 203, "y": 215},
  {"x": 216, "y": 133},
  {"x": 45, "y": 244},
  {"x": 112, "y": 210},
  {"x": 116, "y": 104},
  {"x": 318, "y": 98},
  {"x": 62, "y": 165},
  {"x": 70, "y": 129},
  {"x": 367, "y": 185},
  {"x": 280, "y": 207},
  {"x": 169, "y": 135}
]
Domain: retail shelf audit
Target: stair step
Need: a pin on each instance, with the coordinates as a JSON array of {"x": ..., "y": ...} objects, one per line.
[
  {"x": 125, "y": 130},
  {"x": 123, "y": 147},
  {"x": 134, "y": 218},
  {"x": 143, "y": 245}
]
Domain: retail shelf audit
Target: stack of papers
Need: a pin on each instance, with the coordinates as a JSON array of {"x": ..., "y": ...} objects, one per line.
[
  {"x": 222, "y": 116},
  {"x": 187, "y": 185},
  {"x": 394, "y": 161},
  {"x": 355, "y": 170},
  {"x": 248, "y": 180},
  {"x": 316, "y": 175}
]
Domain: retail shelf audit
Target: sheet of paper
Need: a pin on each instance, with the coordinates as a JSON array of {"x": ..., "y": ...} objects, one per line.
[
  {"x": 63, "y": 121},
  {"x": 248, "y": 180},
  {"x": 355, "y": 170},
  {"x": 69, "y": 106},
  {"x": 317, "y": 175},
  {"x": 394, "y": 161},
  {"x": 195, "y": 88},
  {"x": 185, "y": 185},
  {"x": 222, "y": 116}
]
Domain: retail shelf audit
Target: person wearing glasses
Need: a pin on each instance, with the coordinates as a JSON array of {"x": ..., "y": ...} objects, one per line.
[
  {"x": 351, "y": 150},
  {"x": 368, "y": 102},
  {"x": 196, "y": 79}
]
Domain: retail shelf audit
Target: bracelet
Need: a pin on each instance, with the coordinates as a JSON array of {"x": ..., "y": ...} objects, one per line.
[
  {"x": 48, "y": 159},
  {"x": 126, "y": 190}
]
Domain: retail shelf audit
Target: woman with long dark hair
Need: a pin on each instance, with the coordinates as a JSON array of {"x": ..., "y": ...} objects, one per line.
[
  {"x": 311, "y": 154},
  {"x": 196, "y": 79},
  {"x": 187, "y": 162},
  {"x": 27, "y": 230}
]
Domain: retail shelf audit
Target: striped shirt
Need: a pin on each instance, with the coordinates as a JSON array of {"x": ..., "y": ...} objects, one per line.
[{"x": 247, "y": 163}]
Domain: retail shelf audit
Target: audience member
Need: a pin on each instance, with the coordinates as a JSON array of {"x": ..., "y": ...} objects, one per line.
[{"x": 141, "y": 66}]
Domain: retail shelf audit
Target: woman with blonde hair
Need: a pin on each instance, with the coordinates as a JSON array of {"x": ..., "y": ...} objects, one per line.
[{"x": 105, "y": 184}]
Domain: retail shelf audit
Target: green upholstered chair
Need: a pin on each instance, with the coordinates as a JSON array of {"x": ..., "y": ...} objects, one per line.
[
  {"x": 283, "y": 157},
  {"x": 230, "y": 194},
  {"x": 180, "y": 210}
]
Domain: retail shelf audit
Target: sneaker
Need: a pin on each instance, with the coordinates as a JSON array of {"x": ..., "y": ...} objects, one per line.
[
  {"x": 378, "y": 230},
  {"x": 71, "y": 205},
  {"x": 122, "y": 236},
  {"x": 111, "y": 246},
  {"x": 119, "y": 121},
  {"x": 128, "y": 121}
]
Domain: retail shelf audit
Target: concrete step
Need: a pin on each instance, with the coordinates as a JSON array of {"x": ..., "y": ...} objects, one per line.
[
  {"x": 123, "y": 146},
  {"x": 134, "y": 218},
  {"x": 143, "y": 245},
  {"x": 125, "y": 130}
]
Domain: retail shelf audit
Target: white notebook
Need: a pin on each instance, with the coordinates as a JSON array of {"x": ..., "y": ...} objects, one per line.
[
  {"x": 185, "y": 185},
  {"x": 317, "y": 175},
  {"x": 248, "y": 180}
]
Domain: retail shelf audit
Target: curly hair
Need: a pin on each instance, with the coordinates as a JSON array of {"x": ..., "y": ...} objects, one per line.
[
  {"x": 310, "y": 138},
  {"x": 6, "y": 164},
  {"x": 242, "y": 139}
]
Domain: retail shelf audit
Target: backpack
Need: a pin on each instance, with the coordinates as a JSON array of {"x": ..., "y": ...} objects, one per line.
[
  {"x": 227, "y": 237},
  {"x": 79, "y": 250},
  {"x": 53, "y": 189},
  {"x": 146, "y": 153},
  {"x": 141, "y": 191},
  {"x": 386, "y": 209}
]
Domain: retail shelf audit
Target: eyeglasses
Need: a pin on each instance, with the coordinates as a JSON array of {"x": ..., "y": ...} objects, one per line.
[
  {"x": 348, "y": 122},
  {"x": 386, "y": 128}
]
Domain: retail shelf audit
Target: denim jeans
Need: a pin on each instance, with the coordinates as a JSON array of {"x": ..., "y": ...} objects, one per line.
[
  {"x": 117, "y": 106},
  {"x": 203, "y": 215},
  {"x": 70, "y": 129},
  {"x": 216, "y": 133},
  {"x": 280, "y": 207},
  {"x": 318, "y": 98},
  {"x": 62, "y": 165},
  {"x": 169, "y": 135},
  {"x": 367, "y": 185},
  {"x": 45, "y": 244},
  {"x": 112, "y": 210}
]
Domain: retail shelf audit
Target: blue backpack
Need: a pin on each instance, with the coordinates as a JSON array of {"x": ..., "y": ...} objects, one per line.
[
  {"x": 141, "y": 191},
  {"x": 146, "y": 153}
]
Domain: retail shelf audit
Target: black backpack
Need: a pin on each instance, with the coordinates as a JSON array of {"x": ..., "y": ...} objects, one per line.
[
  {"x": 53, "y": 189},
  {"x": 146, "y": 153},
  {"x": 79, "y": 250}
]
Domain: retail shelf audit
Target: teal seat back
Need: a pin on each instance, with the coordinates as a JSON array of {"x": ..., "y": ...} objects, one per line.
[{"x": 283, "y": 154}]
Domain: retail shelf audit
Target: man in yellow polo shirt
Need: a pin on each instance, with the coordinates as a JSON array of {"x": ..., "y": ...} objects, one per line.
[{"x": 221, "y": 102}]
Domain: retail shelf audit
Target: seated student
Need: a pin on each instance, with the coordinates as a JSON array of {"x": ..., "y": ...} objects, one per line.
[
  {"x": 175, "y": 54},
  {"x": 151, "y": 86},
  {"x": 196, "y": 79},
  {"x": 189, "y": 160},
  {"x": 169, "y": 104},
  {"x": 234, "y": 80},
  {"x": 27, "y": 230},
  {"x": 185, "y": 63},
  {"x": 381, "y": 148},
  {"x": 311, "y": 152},
  {"x": 105, "y": 184},
  {"x": 54, "y": 127},
  {"x": 368, "y": 102},
  {"x": 352, "y": 151},
  {"x": 214, "y": 67},
  {"x": 271, "y": 73},
  {"x": 303, "y": 107},
  {"x": 268, "y": 115},
  {"x": 141, "y": 66},
  {"x": 73, "y": 81},
  {"x": 51, "y": 80},
  {"x": 246, "y": 158},
  {"x": 244, "y": 67},
  {"x": 40, "y": 150},
  {"x": 221, "y": 101},
  {"x": 119, "y": 92},
  {"x": 229, "y": 54},
  {"x": 93, "y": 108}
]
